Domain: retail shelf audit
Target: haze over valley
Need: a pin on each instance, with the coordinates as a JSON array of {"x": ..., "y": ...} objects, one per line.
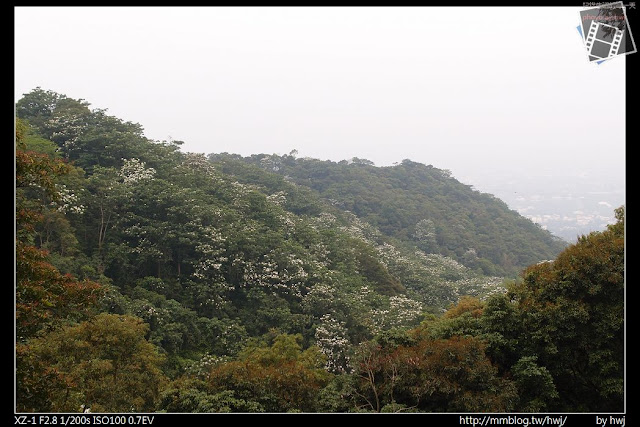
[{"x": 568, "y": 204}]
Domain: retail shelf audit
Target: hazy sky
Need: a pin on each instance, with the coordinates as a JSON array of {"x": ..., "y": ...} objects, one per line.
[{"x": 479, "y": 91}]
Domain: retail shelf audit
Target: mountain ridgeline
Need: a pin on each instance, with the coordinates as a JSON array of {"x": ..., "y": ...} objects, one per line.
[{"x": 151, "y": 279}]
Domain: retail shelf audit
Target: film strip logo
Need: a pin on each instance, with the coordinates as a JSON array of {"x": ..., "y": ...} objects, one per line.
[{"x": 601, "y": 47}]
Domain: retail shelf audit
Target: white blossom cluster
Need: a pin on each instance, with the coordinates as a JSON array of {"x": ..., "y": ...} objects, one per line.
[
  {"x": 211, "y": 253},
  {"x": 239, "y": 193},
  {"x": 481, "y": 287},
  {"x": 287, "y": 222},
  {"x": 437, "y": 278},
  {"x": 134, "y": 171},
  {"x": 202, "y": 367},
  {"x": 331, "y": 339},
  {"x": 279, "y": 198},
  {"x": 67, "y": 129},
  {"x": 402, "y": 311},
  {"x": 391, "y": 258},
  {"x": 67, "y": 201},
  {"x": 286, "y": 274},
  {"x": 270, "y": 163},
  {"x": 147, "y": 312},
  {"x": 441, "y": 263},
  {"x": 363, "y": 295},
  {"x": 320, "y": 299},
  {"x": 145, "y": 245},
  {"x": 147, "y": 248},
  {"x": 241, "y": 189},
  {"x": 425, "y": 230},
  {"x": 361, "y": 230},
  {"x": 205, "y": 266},
  {"x": 199, "y": 162},
  {"x": 320, "y": 257},
  {"x": 324, "y": 220}
]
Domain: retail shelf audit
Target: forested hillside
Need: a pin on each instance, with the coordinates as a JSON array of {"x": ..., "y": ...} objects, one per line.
[
  {"x": 421, "y": 206},
  {"x": 150, "y": 279}
]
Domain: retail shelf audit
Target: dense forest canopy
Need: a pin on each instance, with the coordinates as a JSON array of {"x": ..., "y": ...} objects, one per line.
[
  {"x": 150, "y": 279},
  {"x": 419, "y": 205}
]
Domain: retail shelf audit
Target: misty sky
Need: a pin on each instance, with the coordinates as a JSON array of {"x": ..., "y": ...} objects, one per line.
[{"x": 483, "y": 92}]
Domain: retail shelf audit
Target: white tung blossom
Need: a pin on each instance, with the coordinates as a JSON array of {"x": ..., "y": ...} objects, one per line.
[
  {"x": 67, "y": 201},
  {"x": 401, "y": 311},
  {"x": 287, "y": 219},
  {"x": 147, "y": 248},
  {"x": 331, "y": 339},
  {"x": 199, "y": 162},
  {"x": 324, "y": 220},
  {"x": 211, "y": 253},
  {"x": 67, "y": 129},
  {"x": 202, "y": 367},
  {"x": 320, "y": 299},
  {"x": 361, "y": 230},
  {"x": 134, "y": 171},
  {"x": 286, "y": 274},
  {"x": 279, "y": 198}
]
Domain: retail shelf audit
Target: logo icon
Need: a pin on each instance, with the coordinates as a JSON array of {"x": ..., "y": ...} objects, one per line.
[{"x": 606, "y": 32}]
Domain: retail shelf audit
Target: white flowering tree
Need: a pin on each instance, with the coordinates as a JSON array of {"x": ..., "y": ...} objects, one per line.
[
  {"x": 401, "y": 311},
  {"x": 67, "y": 123},
  {"x": 134, "y": 171},
  {"x": 331, "y": 337},
  {"x": 425, "y": 235}
]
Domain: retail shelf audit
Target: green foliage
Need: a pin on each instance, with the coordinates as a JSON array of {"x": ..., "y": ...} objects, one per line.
[
  {"x": 38, "y": 106},
  {"x": 280, "y": 377},
  {"x": 375, "y": 272},
  {"x": 104, "y": 365},
  {"x": 559, "y": 331},
  {"x": 36, "y": 176},
  {"x": 536, "y": 388},
  {"x": 575, "y": 305},
  {"x": 187, "y": 395},
  {"x": 46, "y": 298},
  {"x": 275, "y": 284},
  {"x": 339, "y": 395},
  {"x": 426, "y": 375},
  {"x": 422, "y": 206},
  {"x": 272, "y": 376}
]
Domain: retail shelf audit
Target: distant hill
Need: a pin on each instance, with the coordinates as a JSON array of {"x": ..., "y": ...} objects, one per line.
[{"x": 421, "y": 206}]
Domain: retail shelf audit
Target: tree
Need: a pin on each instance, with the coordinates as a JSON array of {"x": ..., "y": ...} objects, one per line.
[
  {"x": 331, "y": 339},
  {"x": 280, "y": 377},
  {"x": 44, "y": 296},
  {"x": 104, "y": 198},
  {"x": 536, "y": 388},
  {"x": 577, "y": 305},
  {"x": 38, "y": 106},
  {"x": 36, "y": 173},
  {"x": 425, "y": 234},
  {"x": 212, "y": 253},
  {"x": 103, "y": 365},
  {"x": 564, "y": 321},
  {"x": 189, "y": 395},
  {"x": 427, "y": 375}
]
